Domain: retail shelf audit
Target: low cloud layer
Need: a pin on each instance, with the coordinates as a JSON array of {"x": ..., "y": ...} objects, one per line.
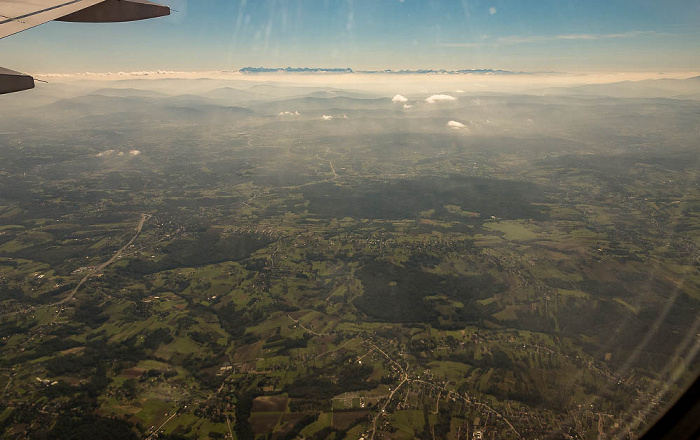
[
  {"x": 454, "y": 125},
  {"x": 140, "y": 73},
  {"x": 399, "y": 98}
]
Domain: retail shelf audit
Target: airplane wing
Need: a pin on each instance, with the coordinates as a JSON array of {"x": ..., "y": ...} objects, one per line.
[{"x": 19, "y": 15}]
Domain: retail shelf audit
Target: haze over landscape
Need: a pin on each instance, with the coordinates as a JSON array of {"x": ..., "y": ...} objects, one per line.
[
  {"x": 234, "y": 224},
  {"x": 490, "y": 249}
]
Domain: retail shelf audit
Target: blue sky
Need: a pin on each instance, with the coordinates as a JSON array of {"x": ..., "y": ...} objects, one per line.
[{"x": 531, "y": 35}]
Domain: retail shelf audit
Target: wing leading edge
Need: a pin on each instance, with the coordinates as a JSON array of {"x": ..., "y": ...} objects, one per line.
[
  {"x": 11, "y": 81},
  {"x": 19, "y": 15},
  {"x": 16, "y": 16}
]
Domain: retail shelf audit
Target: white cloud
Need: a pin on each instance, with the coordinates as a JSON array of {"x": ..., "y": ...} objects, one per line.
[
  {"x": 326, "y": 117},
  {"x": 437, "y": 98},
  {"x": 56, "y": 75},
  {"x": 109, "y": 153},
  {"x": 287, "y": 113},
  {"x": 492, "y": 10},
  {"x": 142, "y": 73},
  {"x": 459, "y": 91},
  {"x": 407, "y": 106},
  {"x": 454, "y": 125},
  {"x": 399, "y": 98}
]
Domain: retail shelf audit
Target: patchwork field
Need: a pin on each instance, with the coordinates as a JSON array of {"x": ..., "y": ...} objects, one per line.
[{"x": 382, "y": 275}]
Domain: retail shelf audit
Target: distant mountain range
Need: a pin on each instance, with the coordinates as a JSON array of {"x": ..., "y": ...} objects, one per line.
[
  {"x": 295, "y": 70},
  {"x": 396, "y": 72}
]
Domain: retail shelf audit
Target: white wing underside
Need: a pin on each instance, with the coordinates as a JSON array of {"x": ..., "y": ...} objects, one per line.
[{"x": 19, "y": 15}]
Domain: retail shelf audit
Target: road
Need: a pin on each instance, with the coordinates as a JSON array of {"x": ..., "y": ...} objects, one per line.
[
  {"x": 335, "y": 349},
  {"x": 439, "y": 387},
  {"x": 97, "y": 269},
  {"x": 382, "y": 411},
  {"x": 9, "y": 381},
  {"x": 94, "y": 271},
  {"x": 404, "y": 372},
  {"x": 296, "y": 321},
  {"x": 161, "y": 426},
  {"x": 230, "y": 431}
]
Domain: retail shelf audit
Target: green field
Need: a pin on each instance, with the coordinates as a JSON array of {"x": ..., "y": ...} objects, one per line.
[{"x": 436, "y": 284}]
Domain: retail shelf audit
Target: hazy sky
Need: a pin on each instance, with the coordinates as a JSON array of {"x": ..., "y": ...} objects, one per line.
[{"x": 531, "y": 35}]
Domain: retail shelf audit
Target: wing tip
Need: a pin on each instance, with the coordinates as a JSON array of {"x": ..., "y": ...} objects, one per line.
[
  {"x": 11, "y": 81},
  {"x": 113, "y": 11}
]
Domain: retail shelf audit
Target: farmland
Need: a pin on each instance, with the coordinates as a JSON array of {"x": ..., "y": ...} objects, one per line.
[{"x": 249, "y": 276}]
